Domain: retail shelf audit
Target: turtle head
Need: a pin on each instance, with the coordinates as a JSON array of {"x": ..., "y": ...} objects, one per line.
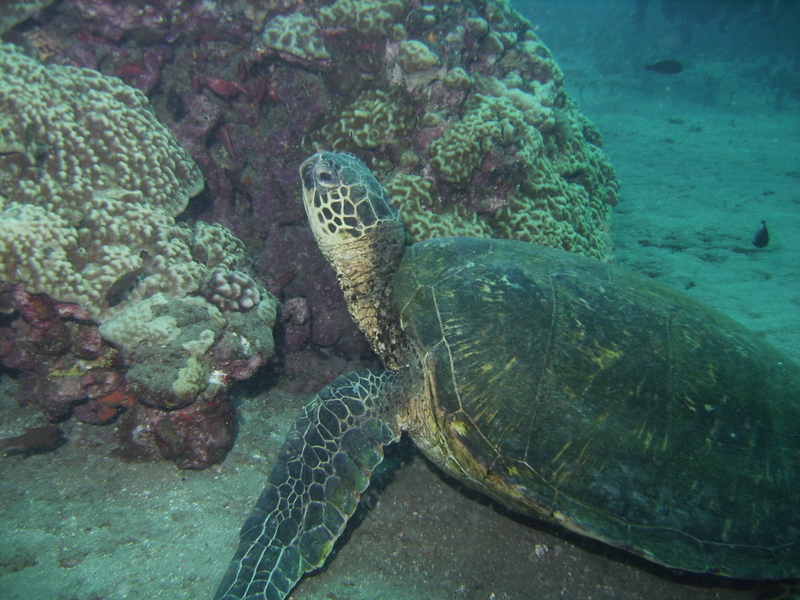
[
  {"x": 362, "y": 236},
  {"x": 353, "y": 220},
  {"x": 343, "y": 200}
]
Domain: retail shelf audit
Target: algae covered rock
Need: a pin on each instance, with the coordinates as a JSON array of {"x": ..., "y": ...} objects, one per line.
[{"x": 174, "y": 347}]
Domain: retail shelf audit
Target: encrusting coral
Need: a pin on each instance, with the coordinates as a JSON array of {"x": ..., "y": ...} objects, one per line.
[
  {"x": 415, "y": 56},
  {"x": 370, "y": 18},
  {"x": 232, "y": 290},
  {"x": 295, "y": 35},
  {"x": 374, "y": 118},
  {"x": 414, "y": 198}
]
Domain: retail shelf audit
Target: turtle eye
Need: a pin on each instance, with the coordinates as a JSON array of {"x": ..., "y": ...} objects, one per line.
[{"x": 325, "y": 177}]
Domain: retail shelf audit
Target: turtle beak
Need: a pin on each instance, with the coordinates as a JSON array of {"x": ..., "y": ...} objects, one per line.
[{"x": 307, "y": 172}]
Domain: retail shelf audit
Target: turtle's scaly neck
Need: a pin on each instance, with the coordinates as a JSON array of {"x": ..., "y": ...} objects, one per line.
[{"x": 365, "y": 269}]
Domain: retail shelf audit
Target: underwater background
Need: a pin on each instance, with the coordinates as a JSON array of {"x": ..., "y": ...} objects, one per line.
[{"x": 702, "y": 157}]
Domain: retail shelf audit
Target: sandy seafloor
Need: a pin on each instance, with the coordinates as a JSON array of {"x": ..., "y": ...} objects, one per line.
[{"x": 699, "y": 172}]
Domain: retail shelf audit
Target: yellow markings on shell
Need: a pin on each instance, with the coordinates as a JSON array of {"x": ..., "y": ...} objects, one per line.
[
  {"x": 485, "y": 368},
  {"x": 560, "y": 452},
  {"x": 459, "y": 427},
  {"x": 583, "y": 455},
  {"x": 505, "y": 280},
  {"x": 562, "y": 477},
  {"x": 648, "y": 435},
  {"x": 501, "y": 372},
  {"x": 712, "y": 433},
  {"x": 688, "y": 337},
  {"x": 606, "y": 356},
  {"x": 726, "y": 530},
  {"x": 558, "y": 516},
  {"x": 559, "y": 476},
  {"x": 578, "y": 331},
  {"x": 640, "y": 431}
]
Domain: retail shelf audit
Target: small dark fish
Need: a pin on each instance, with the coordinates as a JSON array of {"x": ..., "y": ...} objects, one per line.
[
  {"x": 36, "y": 440},
  {"x": 665, "y": 67},
  {"x": 761, "y": 239},
  {"x": 122, "y": 287}
]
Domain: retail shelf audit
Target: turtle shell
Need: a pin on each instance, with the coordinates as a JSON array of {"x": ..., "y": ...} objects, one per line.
[{"x": 578, "y": 392}]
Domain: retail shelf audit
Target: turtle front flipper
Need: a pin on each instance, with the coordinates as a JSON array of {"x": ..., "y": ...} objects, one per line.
[{"x": 314, "y": 488}]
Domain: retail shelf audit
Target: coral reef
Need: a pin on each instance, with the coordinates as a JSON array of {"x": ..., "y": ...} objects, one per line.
[
  {"x": 66, "y": 366},
  {"x": 89, "y": 187},
  {"x": 232, "y": 290},
  {"x": 70, "y": 133},
  {"x": 472, "y": 130},
  {"x": 458, "y": 107},
  {"x": 457, "y": 79},
  {"x": 414, "y": 194},
  {"x": 374, "y": 118},
  {"x": 193, "y": 437}
]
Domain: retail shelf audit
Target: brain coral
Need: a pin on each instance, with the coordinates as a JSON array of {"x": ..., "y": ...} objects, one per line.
[{"x": 89, "y": 179}]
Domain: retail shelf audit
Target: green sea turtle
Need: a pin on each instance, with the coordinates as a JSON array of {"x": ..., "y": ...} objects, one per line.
[{"x": 562, "y": 387}]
